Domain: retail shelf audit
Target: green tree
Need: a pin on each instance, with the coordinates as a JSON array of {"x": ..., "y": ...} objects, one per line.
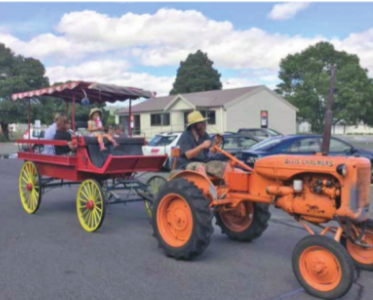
[
  {"x": 17, "y": 74},
  {"x": 306, "y": 81},
  {"x": 196, "y": 74}
]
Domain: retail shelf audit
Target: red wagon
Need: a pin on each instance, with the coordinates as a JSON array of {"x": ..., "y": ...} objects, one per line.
[{"x": 100, "y": 174}]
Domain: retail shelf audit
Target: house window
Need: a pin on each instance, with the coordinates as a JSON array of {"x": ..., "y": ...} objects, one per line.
[
  {"x": 160, "y": 119},
  {"x": 210, "y": 114}
]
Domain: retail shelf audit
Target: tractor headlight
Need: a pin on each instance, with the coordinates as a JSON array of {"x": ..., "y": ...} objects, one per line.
[{"x": 342, "y": 170}]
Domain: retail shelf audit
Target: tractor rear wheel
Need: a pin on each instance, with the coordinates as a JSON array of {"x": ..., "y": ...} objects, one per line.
[
  {"x": 323, "y": 267},
  {"x": 362, "y": 257},
  {"x": 246, "y": 222},
  {"x": 182, "y": 219}
]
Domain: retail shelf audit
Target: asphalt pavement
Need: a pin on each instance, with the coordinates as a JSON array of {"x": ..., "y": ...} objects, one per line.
[{"x": 49, "y": 256}]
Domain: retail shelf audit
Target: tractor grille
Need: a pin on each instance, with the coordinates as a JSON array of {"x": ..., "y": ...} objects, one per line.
[{"x": 363, "y": 187}]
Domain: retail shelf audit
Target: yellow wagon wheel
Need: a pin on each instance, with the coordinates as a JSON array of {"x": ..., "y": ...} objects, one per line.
[
  {"x": 154, "y": 183},
  {"x": 29, "y": 187},
  {"x": 90, "y": 205}
]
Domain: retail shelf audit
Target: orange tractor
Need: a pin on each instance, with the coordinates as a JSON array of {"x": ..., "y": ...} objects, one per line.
[{"x": 312, "y": 189}]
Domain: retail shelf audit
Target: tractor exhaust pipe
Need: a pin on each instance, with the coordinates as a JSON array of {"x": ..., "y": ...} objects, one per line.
[{"x": 328, "y": 116}]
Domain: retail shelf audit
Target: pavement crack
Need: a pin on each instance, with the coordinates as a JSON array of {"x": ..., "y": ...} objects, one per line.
[
  {"x": 360, "y": 287},
  {"x": 289, "y": 294}
]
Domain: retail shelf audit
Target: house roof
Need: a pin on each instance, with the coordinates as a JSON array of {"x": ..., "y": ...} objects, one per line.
[{"x": 214, "y": 98}]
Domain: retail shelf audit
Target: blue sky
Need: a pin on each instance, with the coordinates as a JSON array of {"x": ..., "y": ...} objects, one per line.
[{"x": 247, "y": 51}]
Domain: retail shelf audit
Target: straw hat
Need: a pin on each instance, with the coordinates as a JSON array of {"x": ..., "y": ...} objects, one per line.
[
  {"x": 93, "y": 110},
  {"x": 195, "y": 117}
]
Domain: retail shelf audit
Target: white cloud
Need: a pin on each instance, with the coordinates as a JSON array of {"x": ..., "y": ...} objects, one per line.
[
  {"x": 164, "y": 39},
  {"x": 111, "y": 71},
  {"x": 360, "y": 44},
  {"x": 287, "y": 10}
]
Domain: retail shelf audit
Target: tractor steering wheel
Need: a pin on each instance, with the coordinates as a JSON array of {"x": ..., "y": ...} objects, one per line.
[{"x": 219, "y": 141}]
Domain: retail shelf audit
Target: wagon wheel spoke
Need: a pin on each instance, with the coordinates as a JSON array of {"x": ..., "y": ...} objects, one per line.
[
  {"x": 94, "y": 221},
  {"x": 88, "y": 218},
  {"x": 82, "y": 200},
  {"x": 85, "y": 193},
  {"x": 24, "y": 178},
  {"x": 28, "y": 199},
  {"x": 96, "y": 217},
  {"x": 90, "y": 188}
]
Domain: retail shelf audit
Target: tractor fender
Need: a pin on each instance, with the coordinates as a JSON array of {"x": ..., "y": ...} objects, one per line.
[{"x": 201, "y": 181}]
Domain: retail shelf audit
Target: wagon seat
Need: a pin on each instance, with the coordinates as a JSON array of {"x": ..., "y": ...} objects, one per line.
[{"x": 127, "y": 147}]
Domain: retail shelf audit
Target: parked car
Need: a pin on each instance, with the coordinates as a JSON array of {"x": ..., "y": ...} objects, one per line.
[
  {"x": 35, "y": 134},
  {"x": 235, "y": 143},
  {"x": 161, "y": 144},
  {"x": 301, "y": 145},
  {"x": 260, "y": 133}
]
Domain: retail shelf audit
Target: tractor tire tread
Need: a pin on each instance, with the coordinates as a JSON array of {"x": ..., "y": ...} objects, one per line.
[{"x": 202, "y": 218}]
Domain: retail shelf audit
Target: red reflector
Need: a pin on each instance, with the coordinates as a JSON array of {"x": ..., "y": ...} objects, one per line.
[{"x": 154, "y": 151}]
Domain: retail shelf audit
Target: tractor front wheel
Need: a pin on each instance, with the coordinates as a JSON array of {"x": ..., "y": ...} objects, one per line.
[
  {"x": 362, "y": 257},
  {"x": 244, "y": 223},
  {"x": 323, "y": 267},
  {"x": 182, "y": 219}
]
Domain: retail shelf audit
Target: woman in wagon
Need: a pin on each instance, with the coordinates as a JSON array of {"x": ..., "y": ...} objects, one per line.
[
  {"x": 196, "y": 149},
  {"x": 96, "y": 129},
  {"x": 51, "y": 132},
  {"x": 62, "y": 134}
]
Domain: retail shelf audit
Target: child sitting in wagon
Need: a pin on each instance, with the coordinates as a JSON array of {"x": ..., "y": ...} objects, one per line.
[{"x": 96, "y": 129}]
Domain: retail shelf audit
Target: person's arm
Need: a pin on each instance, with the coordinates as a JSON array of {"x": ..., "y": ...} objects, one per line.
[
  {"x": 71, "y": 144},
  {"x": 192, "y": 153}
]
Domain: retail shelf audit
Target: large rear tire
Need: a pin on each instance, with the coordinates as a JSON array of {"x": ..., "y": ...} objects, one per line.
[
  {"x": 245, "y": 223},
  {"x": 323, "y": 267},
  {"x": 362, "y": 257},
  {"x": 182, "y": 220}
]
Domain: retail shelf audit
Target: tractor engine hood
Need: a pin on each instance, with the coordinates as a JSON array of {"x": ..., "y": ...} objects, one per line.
[{"x": 284, "y": 167}]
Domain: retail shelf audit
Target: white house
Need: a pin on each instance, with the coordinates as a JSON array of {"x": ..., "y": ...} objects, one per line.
[{"x": 227, "y": 110}]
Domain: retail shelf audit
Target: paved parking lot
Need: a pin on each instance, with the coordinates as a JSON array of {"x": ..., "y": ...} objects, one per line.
[{"x": 49, "y": 256}]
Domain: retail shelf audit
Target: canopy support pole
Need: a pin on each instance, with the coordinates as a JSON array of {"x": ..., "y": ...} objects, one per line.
[
  {"x": 73, "y": 113},
  {"x": 29, "y": 125},
  {"x": 130, "y": 119}
]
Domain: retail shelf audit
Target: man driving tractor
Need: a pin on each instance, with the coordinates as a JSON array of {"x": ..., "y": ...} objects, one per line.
[{"x": 196, "y": 148}]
